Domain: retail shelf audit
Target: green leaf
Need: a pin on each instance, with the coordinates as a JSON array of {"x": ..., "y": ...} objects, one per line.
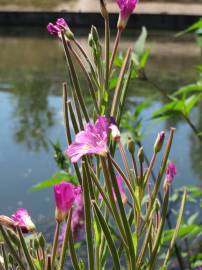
[
  {"x": 175, "y": 234},
  {"x": 139, "y": 47},
  {"x": 193, "y": 27},
  {"x": 191, "y": 220},
  {"x": 55, "y": 179},
  {"x": 107, "y": 234},
  {"x": 191, "y": 102},
  {"x": 189, "y": 88}
]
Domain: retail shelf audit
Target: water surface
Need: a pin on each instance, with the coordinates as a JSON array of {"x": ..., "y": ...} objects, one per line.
[{"x": 32, "y": 69}]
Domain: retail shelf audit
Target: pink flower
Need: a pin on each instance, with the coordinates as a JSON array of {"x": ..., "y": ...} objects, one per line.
[
  {"x": 124, "y": 198},
  {"x": 58, "y": 27},
  {"x": 23, "y": 220},
  {"x": 170, "y": 173},
  {"x": 65, "y": 194},
  {"x": 126, "y": 9},
  {"x": 93, "y": 140},
  {"x": 77, "y": 222}
]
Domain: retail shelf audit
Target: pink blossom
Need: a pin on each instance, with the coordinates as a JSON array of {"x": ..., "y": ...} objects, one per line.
[
  {"x": 170, "y": 173},
  {"x": 23, "y": 220},
  {"x": 65, "y": 194},
  {"x": 126, "y": 9},
  {"x": 93, "y": 140},
  {"x": 60, "y": 25},
  {"x": 77, "y": 222}
]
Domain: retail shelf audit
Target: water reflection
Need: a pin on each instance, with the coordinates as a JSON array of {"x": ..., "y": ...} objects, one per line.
[
  {"x": 32, "y": 115},
  {"x": 32, "y": 69}
]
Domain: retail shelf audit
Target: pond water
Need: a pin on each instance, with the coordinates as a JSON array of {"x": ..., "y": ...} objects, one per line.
[{"x": 32, "y": 69}]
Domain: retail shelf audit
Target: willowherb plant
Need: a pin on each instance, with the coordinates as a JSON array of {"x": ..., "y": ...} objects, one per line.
[{"x": 114, "y": 202}]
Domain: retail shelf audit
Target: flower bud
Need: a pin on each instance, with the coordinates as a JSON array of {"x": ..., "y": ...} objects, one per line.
[
  {"x": 103, "y": 9},
  {"x": 126, "y": 9},
  {"x": 95, "y": 34},
  {"x": 157, "y": 205},
  {"x": 159, "y": 142},
  {"x": 36, "y": 244},
  {"x": 140, "y": 155},
  {"x": 42, "y": 241},
  {"x": 14, "y": 237},
  {"x": 90, "y": 40},
  {"x": 131, "y": 145},
  {"x": 170, "y": 174}
]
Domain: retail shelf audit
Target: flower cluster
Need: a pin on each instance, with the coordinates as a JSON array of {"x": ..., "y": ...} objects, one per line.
[{"x": 59, "y": 26}]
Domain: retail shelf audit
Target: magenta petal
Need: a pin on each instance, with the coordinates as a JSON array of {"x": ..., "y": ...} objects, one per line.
[
  {"x": 92, "y": 140},
  {"x": 64, "y": 196},
  {"x": 23, "y": 220}
]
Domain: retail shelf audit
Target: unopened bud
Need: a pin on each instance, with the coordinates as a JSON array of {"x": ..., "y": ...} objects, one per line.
[
  {"x": 131, "y": 145},
  {"x": 36, "y": 244},
  {"x": 90, "y": 40},
  {"x": 159, "y": 142},
  {"x": 95, "y": 33},
  {"x": 13, "y": 236},
  {"x": 141, "y": 155},
  {"x": 42, "y": 241},
  {"x": 157, "y": 205},
  {"x": 69, "y": 34},
  {"x": 103, "y": 9}
]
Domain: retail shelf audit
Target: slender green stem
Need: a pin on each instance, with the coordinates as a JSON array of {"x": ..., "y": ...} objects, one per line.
[
  {"x": 55, "y": 243},
  {"x": 65, "y": 114},
  {"x": 151, "y": 165},
  {"x": 190, "y": 123},
  {"x": 126, "y": 163},
  {"x": 25, "y": 249},
  {"x": 5, "y": 258},
  {"x": 86, "y": 57},
  {"x": 107, "y": 233},
  {"x": 91, "y": 87},
  {"x": 75, "y": 79},
  {"x": 11, "y": 248},
  {"x": 123, "y": 216},
  {"x": 179, "y": 220},
  {"x": 107, "y": 43},
  {"x": 65, "y": 241},
  {"x": 88, "y": 219},
  {"x": 116, "y": 44},
  {"x": 157, "y": 241},
  {"x": 159, "y": 178},
  {"x": 48, "y": 263},
  {"x": 73, "y": 252},
  {"x": 111, "y": 197},
  {"x": 118, "y": 90}
]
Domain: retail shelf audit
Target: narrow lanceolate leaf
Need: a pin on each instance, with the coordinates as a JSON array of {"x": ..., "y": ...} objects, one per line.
[
  {"x": 25, "y": 249},
  {"x": 157, "y": 241},
  {"x": 175, "y": 234},
  {"x": 11, "y": 248},
  {"x": 75, "y": 79},
  {"x": 65, "y": 241},
  {"x": 128, "y": 231},
  {"x": 88, "y": 219},
  {"x": 73, "y": 252},
  {"x": 5, "y": 258},
  {"x": 66, "y": 115},
  {"x": 118, "y": 90},
  {"x": 107, "y": 234}
]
